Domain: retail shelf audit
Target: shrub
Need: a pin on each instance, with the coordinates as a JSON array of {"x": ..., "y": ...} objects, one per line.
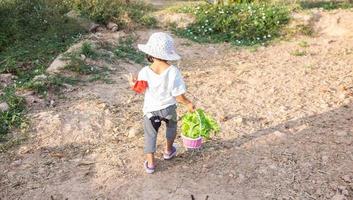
[
  {"x": 241, "y": 24},
  {"x": 118, "y": 11},
  {"x": 12, "y": 117}
]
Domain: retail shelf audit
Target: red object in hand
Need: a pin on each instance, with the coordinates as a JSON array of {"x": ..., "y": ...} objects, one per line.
[{"x": 140, "y": 86}]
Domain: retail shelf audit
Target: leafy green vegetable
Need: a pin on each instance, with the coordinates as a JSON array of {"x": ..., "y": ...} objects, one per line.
[{"x": 198, "y": 124}]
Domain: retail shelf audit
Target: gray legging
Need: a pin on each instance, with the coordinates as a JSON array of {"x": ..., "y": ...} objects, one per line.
[{"x": 150, "y": 133}]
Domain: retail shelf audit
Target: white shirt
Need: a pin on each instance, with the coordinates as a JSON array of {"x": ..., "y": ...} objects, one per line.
[{"x": 162, "y": 88}]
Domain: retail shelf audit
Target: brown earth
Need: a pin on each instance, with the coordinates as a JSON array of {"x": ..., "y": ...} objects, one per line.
[{"x": 287, "y": 128}]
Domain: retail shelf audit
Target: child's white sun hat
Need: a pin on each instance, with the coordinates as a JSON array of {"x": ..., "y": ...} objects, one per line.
[{"x": 160, "y": 45}]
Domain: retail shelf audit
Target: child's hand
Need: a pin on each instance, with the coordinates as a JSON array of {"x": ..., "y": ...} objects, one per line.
[
  {"x": 132, "y": 78},
  {"x": 191, "y": 107}
]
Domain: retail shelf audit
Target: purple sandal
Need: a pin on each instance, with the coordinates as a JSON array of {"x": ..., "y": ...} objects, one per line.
[
  {"x": 148, "y": 169},
  {"x": 170, "y": 155}
]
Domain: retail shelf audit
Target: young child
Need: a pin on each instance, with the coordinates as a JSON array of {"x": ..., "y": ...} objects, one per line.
[{"x": 163, "y": 86}]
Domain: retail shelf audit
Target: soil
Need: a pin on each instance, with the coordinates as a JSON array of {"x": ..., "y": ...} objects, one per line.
[{"x": 287, "y": 128}]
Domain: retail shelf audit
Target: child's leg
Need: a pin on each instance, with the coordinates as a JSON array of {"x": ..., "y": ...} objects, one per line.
[
  {"x": 171, "y": 129},
  {"x": 150, "y": 137}
]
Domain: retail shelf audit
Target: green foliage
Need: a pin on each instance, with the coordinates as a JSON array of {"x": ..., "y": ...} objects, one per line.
[
  {"x": 327, "y": 5},
  {"x": 198, "y": 124},
  {"x": 229, "y": 2},
  {"x": 49, "y": 83},
  {"x": 33, "y": 33},
  {"x": 88, "y": 50},
  {"x": 126, "y": 51},
  {"x": 303, "y": 44},
  {"x": 298, "y": 52},
  {"x": 240, "y": 24},
  {"x": 114, "y": 10},
  {"x": 14, "y": 116}
]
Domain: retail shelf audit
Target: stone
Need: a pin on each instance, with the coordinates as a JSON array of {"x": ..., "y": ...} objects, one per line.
[
  {"x": 112, "y": 26},
  {"x": 134, "y": 131},
  {"x": 341, "y": 133},
  {"x": 57, "y": 65},
  {"x": 93, "y": 27},
  {"x": 41, "y": 77},
  {"x": 4, "y": 107},
  {"x": 343, "y": 96},
  {"x": 229, "y": 82},
  {"x": 324, "y": 159},
  {"x": 83, "y": 57},
  {"x": 60, "y": 62},
  {"x": 16, "y": 163},
  {"x": 347, "y": 178},
  {"x": 239, "y": 120},
  {"x": 100, "y": 29},
  {"x": 339, "y": 197}
]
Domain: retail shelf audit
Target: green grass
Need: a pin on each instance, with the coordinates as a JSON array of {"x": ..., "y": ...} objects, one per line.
[
  {"x": 34, "y": 32},
  {"x": 126, "y": 51},
  {"x": 239, "y": 24},
  {"x": 50, "y": 83},
  {"x": 327, "y": 5},
  {"x": 303, "y": 44},
  {"x": 88, "y": 51},
  {"x": 298, "y": 53},
  {"x": 118, "y": 11},
  {"x": 14, "y": 116}
]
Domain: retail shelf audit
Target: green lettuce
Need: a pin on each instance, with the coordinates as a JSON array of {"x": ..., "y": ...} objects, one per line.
[{"x": 198, "y": 124}]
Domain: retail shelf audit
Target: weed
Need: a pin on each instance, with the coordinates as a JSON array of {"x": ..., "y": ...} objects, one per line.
[
  {"x": 327, "y": 5},
  {"x": 126, "y": 51},
  {"x": 240, "y": 24},
  {"x": 88, "y": 50},
  {"x": 13, "y": 117},
  {"x": 79, "y": 66},
  {"x": 306, "y": 30},
  {"x": 298, "y": 53},
  {"x": 42, "y": 84},
  {"x": 303, "y": 44},
  {"x": 118, "y": 11}
]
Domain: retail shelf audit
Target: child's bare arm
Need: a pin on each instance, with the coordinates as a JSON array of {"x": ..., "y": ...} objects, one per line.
[{"x": 183, "y": 100}]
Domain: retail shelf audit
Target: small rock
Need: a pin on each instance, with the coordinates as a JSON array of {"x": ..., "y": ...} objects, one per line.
[
  {"x": 347, "y": 101},
  {"x": 241, "y": 177},
  {"x": 283, "y": 108},
  {"x": 112, "y": 26},
  {"x": 93, "y": 27},
  {"x": 239, "y": 120},
  {"x": 134, "y": 131},
  {"x": 324, "y": 159},
  {"x": 339, "y": 197},
  {"x": 83, "y": 57},
  {"x": 330, "y": 41},
  {"x": 115, "y": 29},
  {"x": 51, "y": 103},
  {"x": 41, "y": 77},
  {"x": 229, "y": 82},
  {"x": 341, "y": 133},
  {"x": 101, "y": 29},
  {"x": 24, "y": 150},
  {"x": 185, "y": 167},
  {"x": 224, "y": 118},
  {"x": 347, "y": 178},
  {"x": 16, "y": 163},
  {"x": 325, "y": 105},
  {"x": 343, "y": 96},
  {"x": 4, "y": 107}
]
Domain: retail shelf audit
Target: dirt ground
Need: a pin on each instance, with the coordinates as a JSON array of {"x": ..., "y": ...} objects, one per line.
[{"x": 287, "y": 128}]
